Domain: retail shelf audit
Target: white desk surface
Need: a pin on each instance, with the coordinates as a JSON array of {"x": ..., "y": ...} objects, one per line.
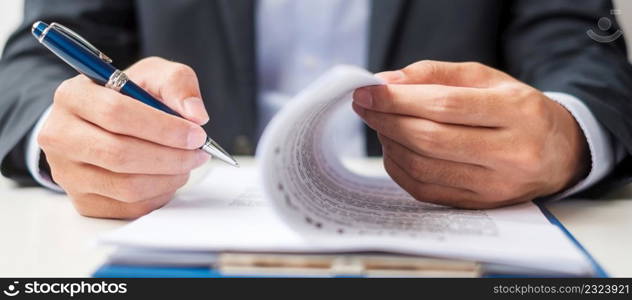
[{"x": 43, "y": 236}]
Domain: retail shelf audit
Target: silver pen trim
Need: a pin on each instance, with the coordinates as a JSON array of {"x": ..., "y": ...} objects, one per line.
[
  {"x": 213, "y": 148},
  {"x": 117, "y": 80},
  {"x": 73, "y": 36},
  {"x": 44, "y": 33}
]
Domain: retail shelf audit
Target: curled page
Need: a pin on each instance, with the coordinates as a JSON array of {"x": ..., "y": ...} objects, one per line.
[
  {"x": 311, "y": 188},
  {"x": 314, "y": 194}
]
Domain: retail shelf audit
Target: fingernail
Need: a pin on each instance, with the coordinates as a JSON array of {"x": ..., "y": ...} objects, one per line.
[
  {"x": 196, "y": 138},
  {"x": 363, "y": 98},
  {"x": 391, "y": 76},
  {"x": 195, "y": 110}
]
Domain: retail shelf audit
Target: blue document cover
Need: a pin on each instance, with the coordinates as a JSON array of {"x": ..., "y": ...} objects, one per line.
[{"x": 599, "y": 271}]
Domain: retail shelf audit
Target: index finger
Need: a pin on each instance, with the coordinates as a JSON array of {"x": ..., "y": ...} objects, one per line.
[
  {"x": 123, "y": 115},
  {"x": 445, "y": 104},
  {"x": 471, "y": 74}
]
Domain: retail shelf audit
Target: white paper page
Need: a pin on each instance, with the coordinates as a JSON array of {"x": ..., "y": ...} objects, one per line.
[{"x": 227, "y": 211}]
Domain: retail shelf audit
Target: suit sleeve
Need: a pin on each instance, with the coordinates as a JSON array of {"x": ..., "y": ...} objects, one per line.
[
  {"x": 546, "y": 44},
  {"x": 29, "y": 73}
]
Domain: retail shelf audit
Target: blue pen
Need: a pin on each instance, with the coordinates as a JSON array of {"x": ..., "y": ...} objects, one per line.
[{"x": 89, "y": 61}]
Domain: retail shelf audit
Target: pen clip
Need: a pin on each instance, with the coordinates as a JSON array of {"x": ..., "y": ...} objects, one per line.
[{"x": 77, "y": 38}]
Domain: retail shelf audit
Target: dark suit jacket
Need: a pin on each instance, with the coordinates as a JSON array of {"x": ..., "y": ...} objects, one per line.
[{"x": 541, "y": 42}]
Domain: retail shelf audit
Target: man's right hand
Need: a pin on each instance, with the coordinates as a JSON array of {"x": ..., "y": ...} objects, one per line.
[{"x": 117, "y": 157}]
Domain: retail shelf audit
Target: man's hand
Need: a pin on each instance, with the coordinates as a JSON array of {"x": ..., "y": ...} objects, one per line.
[
  {"x": 117, "y": 157},
  {"x": 466, "y": 135}
]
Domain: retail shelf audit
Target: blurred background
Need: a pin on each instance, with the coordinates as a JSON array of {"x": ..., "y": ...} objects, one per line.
[{"x": 11, "y": 15}]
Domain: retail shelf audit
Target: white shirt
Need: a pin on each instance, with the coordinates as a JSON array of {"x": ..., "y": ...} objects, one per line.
[{"x": 297, "y": 41}]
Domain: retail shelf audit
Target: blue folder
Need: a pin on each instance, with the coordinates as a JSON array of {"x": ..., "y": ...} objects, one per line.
[{"x": 129, "y": 271}]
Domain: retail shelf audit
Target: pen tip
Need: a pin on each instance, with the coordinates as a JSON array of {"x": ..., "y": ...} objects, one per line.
[{"x": 214, "y": 149}]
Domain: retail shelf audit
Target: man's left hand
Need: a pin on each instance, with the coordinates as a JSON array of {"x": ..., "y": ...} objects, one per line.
[{"x": 469, "y": 136}]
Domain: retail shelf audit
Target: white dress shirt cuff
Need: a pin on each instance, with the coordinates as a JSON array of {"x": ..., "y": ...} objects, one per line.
[
  {"x": 598, "y": 139},
  {"x": 33, "y": 153}
]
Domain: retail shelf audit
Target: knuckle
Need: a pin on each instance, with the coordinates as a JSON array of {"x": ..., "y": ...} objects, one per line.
[
  {"x": 533, "y": 104},
  {"x": 429, "y": 136},
  {"x": 452, "y": 178},
  {"x": 536, "y": 107},
  {"x": 113, "y": 107},
  {"x": 447, "y": 103},
  {"x": 82, "y": 206},
  {"x": 474, "y": 65},
  {"x": 422, "y": 67},
  {"x": 420, "y": 193},
  {"x": 511, "y": 88},
  {"x": 115, "y": 156},
  {"x": 110, "y": 112},
  {"x": 530, "y": 159},
  {"x": 47, "y": 138},
  {"x": 65, "y": 93},
  {"x": 148, "y": 62},
  {"x": 137, "y": 210},
  {"x": 418, "y": 169},
  {"x": 154, "y": 60},
  {"x": 387, "y": 147},
  {"x": 179, "y": 70},
  {"x": 417, "y": 194},
  {"x": 61, "y": 93},
  {"x": 131, "y": 188},
  {"x": 389, "y": 167},
  {"x": 498, "y": 192}
]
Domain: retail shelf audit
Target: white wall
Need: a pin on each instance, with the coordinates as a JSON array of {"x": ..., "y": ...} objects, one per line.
[
  {"x": 11, "y": 14},
  {"x": 10, "y": 17}
]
